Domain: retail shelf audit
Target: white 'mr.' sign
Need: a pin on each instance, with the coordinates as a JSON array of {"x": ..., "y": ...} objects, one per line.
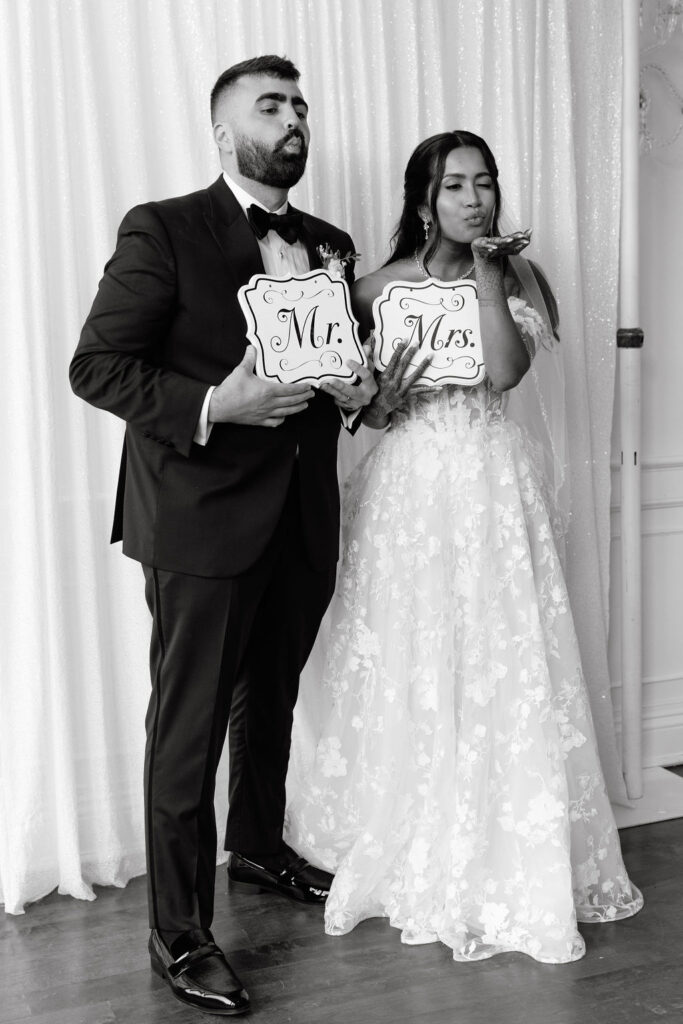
[
  {"x": 442, "y": 319},
  {"x": 302, "y": 327}
]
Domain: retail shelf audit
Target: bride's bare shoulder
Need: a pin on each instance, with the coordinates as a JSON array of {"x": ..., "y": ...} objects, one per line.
[{"x": 367, "y": 288}]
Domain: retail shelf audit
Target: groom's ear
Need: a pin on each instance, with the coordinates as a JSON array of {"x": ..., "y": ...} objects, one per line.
[{"x": 223, "y": 134}]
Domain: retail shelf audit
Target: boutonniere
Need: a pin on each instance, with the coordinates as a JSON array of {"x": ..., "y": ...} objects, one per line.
[{"x": 333, "y": 261}]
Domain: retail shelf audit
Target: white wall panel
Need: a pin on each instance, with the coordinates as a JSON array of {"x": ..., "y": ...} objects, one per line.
[{"x": 661, "y": 199}]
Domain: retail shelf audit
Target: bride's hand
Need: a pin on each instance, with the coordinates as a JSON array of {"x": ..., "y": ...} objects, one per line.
[
  {"x": 495, "y": 247},
  {"x": 394, "y": 383}
]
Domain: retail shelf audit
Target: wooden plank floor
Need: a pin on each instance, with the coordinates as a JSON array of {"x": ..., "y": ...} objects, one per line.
[{"x": 71, "y": 962}]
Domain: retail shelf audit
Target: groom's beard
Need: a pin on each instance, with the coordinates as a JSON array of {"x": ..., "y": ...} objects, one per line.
[{"x": 271, "y": 167}]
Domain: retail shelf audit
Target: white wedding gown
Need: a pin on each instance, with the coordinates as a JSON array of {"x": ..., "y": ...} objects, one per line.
[{"x": 456, "y": 787}]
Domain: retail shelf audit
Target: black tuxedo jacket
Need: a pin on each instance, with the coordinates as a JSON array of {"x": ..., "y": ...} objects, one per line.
[{"x": 166, "y": 323}]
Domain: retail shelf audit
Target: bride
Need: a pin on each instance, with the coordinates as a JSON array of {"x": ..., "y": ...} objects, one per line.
[{"x": 456, "y": 787}]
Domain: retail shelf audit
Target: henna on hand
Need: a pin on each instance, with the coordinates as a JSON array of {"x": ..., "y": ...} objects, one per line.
[
  {"x": 394, "y": 385},
  {"x": 496, "y": 247}
]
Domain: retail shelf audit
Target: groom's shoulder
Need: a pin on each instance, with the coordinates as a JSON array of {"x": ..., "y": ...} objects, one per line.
[
  {"x": 324, "y": 232},
  {"x": 172, "y": 212},
  {"x": 179, "y": 204}
]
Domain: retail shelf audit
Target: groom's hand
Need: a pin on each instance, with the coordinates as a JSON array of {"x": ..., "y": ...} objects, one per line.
[{"x": 244, "y": 398}]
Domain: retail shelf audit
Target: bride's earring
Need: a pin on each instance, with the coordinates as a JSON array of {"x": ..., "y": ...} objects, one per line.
[{"x": 426, "y": 224}]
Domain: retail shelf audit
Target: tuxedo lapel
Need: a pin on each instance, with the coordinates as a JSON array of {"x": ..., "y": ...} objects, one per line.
[
  {"x": 233, "y": 234},
  {"x": 310, "y": 241},
  {"x": 313, "y": 238}
]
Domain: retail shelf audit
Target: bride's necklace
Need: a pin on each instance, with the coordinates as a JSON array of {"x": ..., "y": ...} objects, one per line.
[{"x": 423, "y": 270}]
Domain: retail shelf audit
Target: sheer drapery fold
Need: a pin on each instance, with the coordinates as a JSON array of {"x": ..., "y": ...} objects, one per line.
[{"x": 104, "y": 105}]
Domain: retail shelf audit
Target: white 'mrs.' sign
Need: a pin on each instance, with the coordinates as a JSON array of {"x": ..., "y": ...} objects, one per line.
[{"x": 442, "y": 319}]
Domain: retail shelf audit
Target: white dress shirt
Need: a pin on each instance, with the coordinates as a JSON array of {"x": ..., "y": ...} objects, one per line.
[{"x": 279, "y": 259}]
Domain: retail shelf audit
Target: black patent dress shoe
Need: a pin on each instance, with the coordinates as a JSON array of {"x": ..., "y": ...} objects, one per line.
[
  {"x": 288, "y": 875},
  {"x": 198, "y": 973}
]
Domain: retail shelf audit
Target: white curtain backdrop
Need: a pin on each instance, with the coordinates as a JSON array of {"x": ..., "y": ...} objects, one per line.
[{"x": 104, "y": 104}]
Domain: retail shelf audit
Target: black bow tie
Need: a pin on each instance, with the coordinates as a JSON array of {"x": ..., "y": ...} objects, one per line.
[{"x": 287, "y": 225}]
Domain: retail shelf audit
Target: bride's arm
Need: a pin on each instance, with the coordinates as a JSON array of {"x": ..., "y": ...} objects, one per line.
[
  {"x": 505, "y": 354},
  {"x": 392, "y": 384},
  {"x": 363, "y": 293},
  {"x": 377, "y": 415}
]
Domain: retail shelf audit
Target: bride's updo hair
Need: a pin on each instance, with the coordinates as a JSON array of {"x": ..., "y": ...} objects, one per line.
[{"x": 421, "y": 183}]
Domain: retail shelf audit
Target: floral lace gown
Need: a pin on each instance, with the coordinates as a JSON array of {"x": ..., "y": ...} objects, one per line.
[{"x": 456, "y": 787}]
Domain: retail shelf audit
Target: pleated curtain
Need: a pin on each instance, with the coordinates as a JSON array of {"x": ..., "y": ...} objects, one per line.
[{"x": 104, "y": 104}]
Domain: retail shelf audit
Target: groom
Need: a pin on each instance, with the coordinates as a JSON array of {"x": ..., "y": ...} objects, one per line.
[{"x": 228, "y": 497}]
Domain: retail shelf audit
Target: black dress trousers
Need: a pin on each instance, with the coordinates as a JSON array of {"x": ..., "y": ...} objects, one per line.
[{"x": 224, "y": 651}]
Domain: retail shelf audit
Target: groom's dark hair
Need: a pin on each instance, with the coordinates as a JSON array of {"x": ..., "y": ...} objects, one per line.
[{"x": 268, "y": 64}]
